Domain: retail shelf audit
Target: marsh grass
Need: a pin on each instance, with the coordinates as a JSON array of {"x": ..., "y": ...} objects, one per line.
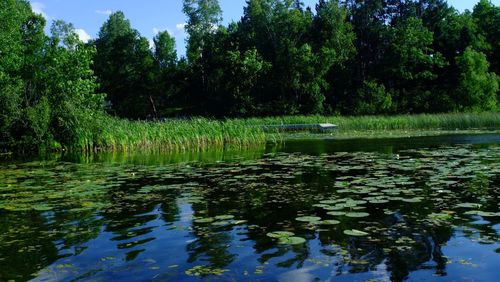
[
  {"x": 454, "y": 121},
  {"x": 199, "y": 134}
]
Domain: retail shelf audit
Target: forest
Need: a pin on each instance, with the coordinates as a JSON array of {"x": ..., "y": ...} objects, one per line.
[{"x": 349, "y": 57}]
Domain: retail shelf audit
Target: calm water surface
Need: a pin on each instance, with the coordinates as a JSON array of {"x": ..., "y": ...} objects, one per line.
[{"x": 416, "y": 209}]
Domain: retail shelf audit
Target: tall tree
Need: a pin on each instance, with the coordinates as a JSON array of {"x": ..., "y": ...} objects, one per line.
[
  {"x": 47, "y": 83},
  {"x": 203, "y": 21},
  {"x": 333, "y": 40},
  {"x": 477, "y": 88},
  {"x": 204, "y": 16},
  {"x": 124, "y": 65},
  {"x": 21, "y": 40},
  {"x": 164, "y": 49},
  {"x": 166, "y": 83},
  {"x": 487, "y": 18},
  {"x": 410, "y": 64}
]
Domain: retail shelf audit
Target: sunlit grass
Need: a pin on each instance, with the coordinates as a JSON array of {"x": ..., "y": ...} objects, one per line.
[
  {"x": 455, "y": 121},
  {"x": 199, "y": 134}
]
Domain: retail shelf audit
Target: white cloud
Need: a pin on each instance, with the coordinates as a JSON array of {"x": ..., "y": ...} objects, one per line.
[
  {"x": 104, "y": 12},
  {"x": 181, "y": 26},
  {"x": 84, "y": 36},
  {"x": 157, "y": 30},
  {"x": 38, "y": 8}
]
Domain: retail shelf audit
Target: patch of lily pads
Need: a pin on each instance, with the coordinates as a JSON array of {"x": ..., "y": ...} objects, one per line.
[
  {"x": 286, "y": 238},
  {"x": 388, "y": 200}
]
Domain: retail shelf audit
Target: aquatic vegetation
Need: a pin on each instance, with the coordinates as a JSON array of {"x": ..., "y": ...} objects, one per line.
[
  {"x": 308, "y": 219},
  {"x": 357, "y": 214},
  {"x": 452, "y": 121},
  {"x": 354, "y": 232},
  {"x": 280, "y": 212},
  {"x": 329, "y": 222},
  {"x": 202, "y": 134},
  {"x": 200, "y": 270},
  {"x": 291, "y": 240},
  {"x": 280, "y": 234}
]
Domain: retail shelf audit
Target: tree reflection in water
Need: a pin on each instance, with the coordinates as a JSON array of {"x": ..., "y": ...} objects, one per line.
[{"x": 122, "y": 221}]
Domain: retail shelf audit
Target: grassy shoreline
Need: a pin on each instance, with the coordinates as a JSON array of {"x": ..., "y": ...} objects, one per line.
[
  {"x": 198, "y": 134},
  {"x": 453, "y": 121}
]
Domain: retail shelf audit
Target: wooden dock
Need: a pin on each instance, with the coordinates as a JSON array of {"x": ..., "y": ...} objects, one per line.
[{"x": 316, "y": 127}]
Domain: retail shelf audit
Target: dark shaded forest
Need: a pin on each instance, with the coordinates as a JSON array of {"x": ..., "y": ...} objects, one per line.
[
  {"x": 350, "y": 57},
  {"x": 281, "y": 58}
]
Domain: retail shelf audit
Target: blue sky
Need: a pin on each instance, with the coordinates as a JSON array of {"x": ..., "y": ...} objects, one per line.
[{"x": 149, "y": 16}]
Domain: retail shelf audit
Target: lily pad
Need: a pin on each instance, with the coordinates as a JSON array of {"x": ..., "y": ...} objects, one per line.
[
  {"x": 280, "y": 234},
  {"x": 221, "y": 223},
  {"x": 224, "y": 217},
  {"x": 329, "y": 222},
  {"x": 291, "y": 241},
  {"x": 354, "y": 232},
  {"x": 310, "y": 219},
  {"x": 379, "y": 201},
  {"x": 336, "y": 213},
  {"x": 204, "y": 220},
  {"x": 483, "y": 213},
  {"x": 412, "y": 200},
  {"x": 469, "y": 205},
  {"x": 357, "y": 214}
]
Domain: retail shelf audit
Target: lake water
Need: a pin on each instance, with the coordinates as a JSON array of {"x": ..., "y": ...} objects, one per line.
[{"x": 417, "y": 209}]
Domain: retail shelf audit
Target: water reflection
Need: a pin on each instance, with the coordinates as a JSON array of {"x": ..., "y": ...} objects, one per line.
[{"x": 99, "y": 220}]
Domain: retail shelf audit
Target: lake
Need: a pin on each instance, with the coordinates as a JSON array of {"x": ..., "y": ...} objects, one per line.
[{"x": 313, "y": 209}]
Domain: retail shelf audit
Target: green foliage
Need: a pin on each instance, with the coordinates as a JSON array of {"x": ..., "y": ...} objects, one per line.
[
  {"x": 410, "y": 56},
  {"x": 487, "y": 18},
  {"x": 477, "y": 88},
  {"x": 203, "y": 19},
  {"x": 372, "y": 99},
  {"x": 242, "y": 73},
  {"x": 37, "y": 122},
  {"x": 164, "y": 50},
  {"x": 125, "y": 67},
  {"x": 13, "y": 46},
  {"x": 46, "y": 83},
  {"x": 349, "y": 57},
  {"x": 346, "y": 57},
  {"x": 456, "y": 33}
]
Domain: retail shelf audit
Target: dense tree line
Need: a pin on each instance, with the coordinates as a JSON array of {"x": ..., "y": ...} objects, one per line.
[
  {"x": 48, "y": 91},
  {"x": 347, "y": 57}
]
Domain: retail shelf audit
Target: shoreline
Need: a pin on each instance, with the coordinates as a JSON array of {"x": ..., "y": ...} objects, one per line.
[{"x": 201, "y": 134}]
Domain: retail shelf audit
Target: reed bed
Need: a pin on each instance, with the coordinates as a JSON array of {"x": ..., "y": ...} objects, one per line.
[
  {"x": 200, "y": 134},
  {"x": 453, "y": 121},
  {"x": 197, "y": 134}
]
